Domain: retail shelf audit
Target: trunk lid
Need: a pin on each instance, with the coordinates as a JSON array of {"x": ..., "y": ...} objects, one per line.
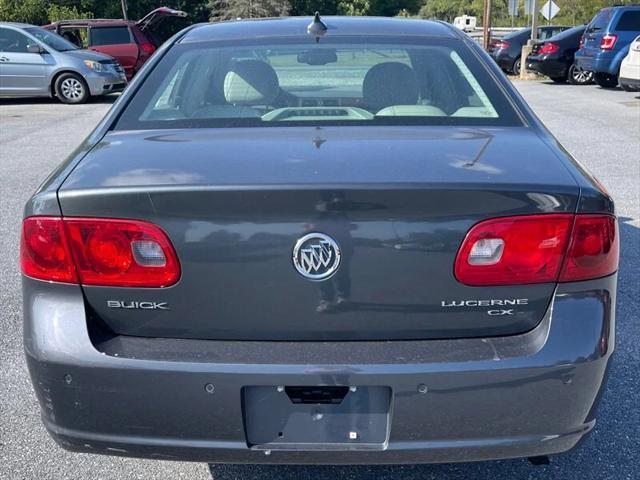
[
  {"x": 153, "y": 24},
  {"x": 397, "y": 200}
]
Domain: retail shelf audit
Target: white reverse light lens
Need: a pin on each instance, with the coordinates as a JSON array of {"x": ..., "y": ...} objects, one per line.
[
  {"x": 487, "y": 251},
  {"x": 148, "y": 254}
]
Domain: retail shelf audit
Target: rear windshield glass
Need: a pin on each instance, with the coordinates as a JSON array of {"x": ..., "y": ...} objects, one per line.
[
  {"x": 572, "y": 32},
  {"x": 600, "y": 21},
  {"x": 110, "y": 36},
  {"x": 438, "y": 82},
  {"x": 629, "y": 21}
]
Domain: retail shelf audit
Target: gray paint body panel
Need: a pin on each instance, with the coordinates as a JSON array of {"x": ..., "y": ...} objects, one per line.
[
  {"x": 488, "y": 398},
  {"x": 398, "y": 201}
]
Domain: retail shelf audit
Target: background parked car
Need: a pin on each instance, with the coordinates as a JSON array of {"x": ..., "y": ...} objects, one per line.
[
  {"x": 554, "y": 57},
  {"x": 36, "y": 62},
  {"x": 630, "y": 67},
  {"x": 130, "y": 42},
  {"x": 605, "y": 43},
  {"x": 507, "y": 50}
]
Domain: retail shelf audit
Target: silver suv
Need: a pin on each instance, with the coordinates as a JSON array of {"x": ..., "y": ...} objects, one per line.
[{"x": 35, "y": 62}]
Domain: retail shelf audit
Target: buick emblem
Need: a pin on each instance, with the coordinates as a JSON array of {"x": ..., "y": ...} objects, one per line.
[{"x": 316, "y": 256}]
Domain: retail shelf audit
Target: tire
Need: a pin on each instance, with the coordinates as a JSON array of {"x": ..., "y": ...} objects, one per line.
[
  {"x": 606, "y": 80},
  {"x": 579, "y": 77},
  {"x": 628, "y": 88},
  {"x": 558, "y": 79},
  {"x": 71, "y": 88},
  {"x": 516, "y": 66}
]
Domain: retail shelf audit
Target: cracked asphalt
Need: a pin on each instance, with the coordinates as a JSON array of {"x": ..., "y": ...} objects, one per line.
[{"x": 601, "y": 128}]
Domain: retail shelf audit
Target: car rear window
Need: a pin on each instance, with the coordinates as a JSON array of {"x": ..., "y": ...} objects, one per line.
[
  {"x": 629, "y": 21},
  {"x": 110, "y": 36},
  {"x": 333, "y": 82},
  {"x": 571, "y": 32},
  {"x": 600, "y": 21}
]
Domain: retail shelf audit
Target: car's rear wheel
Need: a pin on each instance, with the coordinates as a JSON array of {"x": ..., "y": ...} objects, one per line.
[
  {"x": 577, "y": 76},
  {"x": 516, "y": 66},
  {"x": 606, "y": 80},
  {"x": 71, "y": 88}
]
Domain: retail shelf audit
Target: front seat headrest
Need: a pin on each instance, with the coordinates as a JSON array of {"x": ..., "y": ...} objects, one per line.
[
  {"x": 390, "y": 83},
  {"x": 251, "y": 82}
]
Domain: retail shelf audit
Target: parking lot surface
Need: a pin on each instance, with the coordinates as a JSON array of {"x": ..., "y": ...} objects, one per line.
[{"x": 599, "y": 127}]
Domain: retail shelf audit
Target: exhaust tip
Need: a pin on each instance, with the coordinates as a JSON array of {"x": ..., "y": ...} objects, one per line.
[{"x": 539, "y": 460}]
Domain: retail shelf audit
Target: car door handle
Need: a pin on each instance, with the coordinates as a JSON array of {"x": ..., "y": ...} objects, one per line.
[{"x": 4, "y": 59}]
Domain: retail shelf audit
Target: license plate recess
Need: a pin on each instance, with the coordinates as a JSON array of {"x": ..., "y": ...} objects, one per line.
[{"x": 317, "y": 418}]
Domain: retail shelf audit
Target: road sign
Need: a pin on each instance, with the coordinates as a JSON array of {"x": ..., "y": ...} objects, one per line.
[
  {"x": 549, "y": 10},
  {"x": 528, "y": 7},
  {"x": 512, "y": 7}
]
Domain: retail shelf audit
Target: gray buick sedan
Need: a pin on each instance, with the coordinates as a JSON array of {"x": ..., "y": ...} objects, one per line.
[{"x": 338, "y": 240}]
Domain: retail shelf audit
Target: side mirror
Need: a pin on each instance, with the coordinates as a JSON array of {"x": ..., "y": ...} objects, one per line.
[{"x": 34, "y": 48}]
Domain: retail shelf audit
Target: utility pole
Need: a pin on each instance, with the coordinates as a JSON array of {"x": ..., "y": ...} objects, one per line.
[
  {"x": 534, "y": 23},
  {"x": 486, "y": 24},
  {"x": 123, "y": 4},
  {"x": 526, "y": 49}
]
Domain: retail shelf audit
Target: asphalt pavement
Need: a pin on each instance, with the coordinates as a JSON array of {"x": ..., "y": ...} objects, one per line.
[{"x": 601, "y": 128}]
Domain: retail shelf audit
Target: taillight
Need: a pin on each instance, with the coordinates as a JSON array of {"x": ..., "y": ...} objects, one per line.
[
  {"x": 581, "y": 44},
  {"x": 147, "y": 48},
  {"x": 44, "y": 250},
  {"x": 98, "y": 251},
  {"x": 538, "y": 249},
  {"x": 548, "y": 48},
  {"x": 608, "y": 41},
  {"x": 594, "y": 248},
  {"x": 501, "y": 44}
]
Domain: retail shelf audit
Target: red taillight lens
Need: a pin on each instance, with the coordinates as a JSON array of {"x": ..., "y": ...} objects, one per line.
[
  {"x": 501, "y": 44},
  {"x": 532, "y": 250},
  {"x": 608, "y": 41},
  {"x": 44, "y": 250},
  {"x": 548, "y": 48},
  {"x": 107, "y": 252},
  {"x": 538, "y": 249},
  {"x": 147, "y": 48},
  {"x": 581, "y": 44},
  {"x": 126, "y": 253},
  {"x": 594, "y": 248}
]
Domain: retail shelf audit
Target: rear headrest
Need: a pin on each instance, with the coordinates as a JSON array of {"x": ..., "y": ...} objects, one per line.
[
  {"x": 390, "y": 83},
  {"x": 251, "y": 82}
]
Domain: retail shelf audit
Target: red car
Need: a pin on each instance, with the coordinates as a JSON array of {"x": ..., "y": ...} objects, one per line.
[{"x": 128, "y": 41}]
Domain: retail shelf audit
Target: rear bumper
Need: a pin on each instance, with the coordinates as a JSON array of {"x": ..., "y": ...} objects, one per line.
[
  {"x": 500, "y": 397},
  {"x": 550, "y": 67},
  {"x": 630, "y": 70},
  {"x": 601, "y": 62},
  {"x": 504, "y": 60},
  {"x": 630, "y": 82}
]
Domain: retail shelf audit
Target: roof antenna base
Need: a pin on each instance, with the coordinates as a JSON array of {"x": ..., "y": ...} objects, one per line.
[{"x": 317, "y": 27}]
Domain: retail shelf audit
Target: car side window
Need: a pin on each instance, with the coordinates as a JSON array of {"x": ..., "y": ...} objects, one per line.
[
  {"x": 544, "y": 33},
  {"x": 629, "y": 21},
  {"x": 12, "y": 41},
  {"x": 77, "y": 35},
  {"x": 109, "y": 36}
]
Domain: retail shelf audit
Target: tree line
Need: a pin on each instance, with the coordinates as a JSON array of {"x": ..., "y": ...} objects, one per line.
[{"x": 572, "y": 12}]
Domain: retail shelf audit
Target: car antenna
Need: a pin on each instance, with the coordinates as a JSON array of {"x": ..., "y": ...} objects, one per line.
[{"x": 317, "y": 27}]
